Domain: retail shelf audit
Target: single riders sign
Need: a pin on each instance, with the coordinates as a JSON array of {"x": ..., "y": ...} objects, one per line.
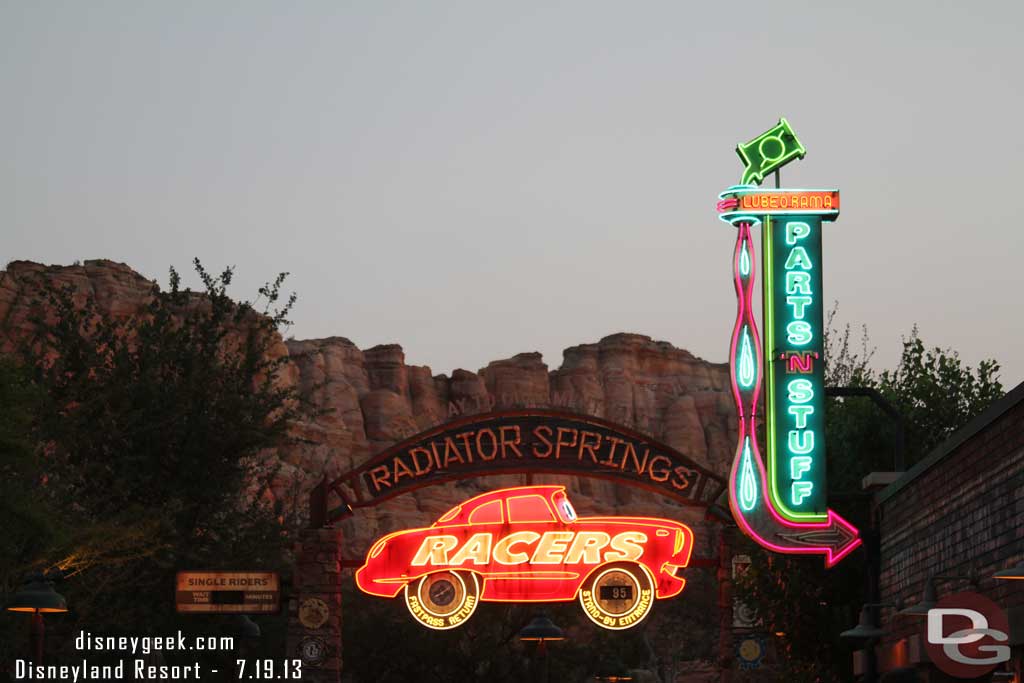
[{"x": 518, "y": 441}]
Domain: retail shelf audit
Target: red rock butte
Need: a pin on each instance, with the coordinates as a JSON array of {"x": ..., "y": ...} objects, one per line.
[{"x": 368, "y": 399}]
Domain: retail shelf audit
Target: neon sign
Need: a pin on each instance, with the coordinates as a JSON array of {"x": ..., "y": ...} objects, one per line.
[
  {"x": 529, "y": 440},
  {"x": 526, "y": 544},
  {"x": 769, "y": 151},
  {"x": 782, "y": 504},
  {"x": 745, "y": 201},
  {"x": 815, "y": 200},
  {"x": 795, "y": 377}
]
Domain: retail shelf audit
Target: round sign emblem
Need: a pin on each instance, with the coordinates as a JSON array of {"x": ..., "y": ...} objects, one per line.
[
  {"x": 966, "y": 635},
  {"x": 313, "y": 650},
  {"x": 617, "y": 596},
  {"x": 313, "y": 613},
  {"x": 750, "y": 651}
]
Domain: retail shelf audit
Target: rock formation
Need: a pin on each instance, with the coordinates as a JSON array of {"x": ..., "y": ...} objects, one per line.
[{"x": 365, "y": 400}]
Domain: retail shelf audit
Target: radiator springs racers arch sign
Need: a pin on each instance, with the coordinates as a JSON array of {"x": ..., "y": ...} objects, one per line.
[
  {"x": 526, "y": 544},
  {"x": 526, "y": 440}
]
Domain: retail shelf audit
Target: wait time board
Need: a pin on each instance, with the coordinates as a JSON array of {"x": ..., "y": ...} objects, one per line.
[{"x": 224, "y": 592}]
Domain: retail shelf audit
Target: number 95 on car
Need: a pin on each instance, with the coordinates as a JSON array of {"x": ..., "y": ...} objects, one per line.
[{"x": 268, "y": 669}]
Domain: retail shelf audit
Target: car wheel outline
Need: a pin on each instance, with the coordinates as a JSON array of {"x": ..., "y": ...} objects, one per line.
[
  {"x": 642, "y": 581},
  {"x": 467, "y": 598}
]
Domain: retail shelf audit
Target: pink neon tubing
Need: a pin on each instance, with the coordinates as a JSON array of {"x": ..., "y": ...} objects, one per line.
[{"x": 747, "y": 428}]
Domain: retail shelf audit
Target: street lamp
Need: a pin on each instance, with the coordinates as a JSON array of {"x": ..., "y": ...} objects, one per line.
[
  {"x": 930, "y": 597},
  {"x": 540, "y": 630},
  {"x": 927, "y": 603},
  {"x": 867, "y": 629},
  {"x": 246, "y": 627},
  {"x": 867, "y": 626},
  {"x": 1014, "y": 572},
  {"x": 38, "y": 597}
]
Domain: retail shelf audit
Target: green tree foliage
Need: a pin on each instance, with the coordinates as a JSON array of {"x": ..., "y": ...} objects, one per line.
[
  {"x": 936, "y": 393},
  {"x": 31, "y": 526},
  {"x": 29, "y": 523},
  {"x": 152, "y": 430}
]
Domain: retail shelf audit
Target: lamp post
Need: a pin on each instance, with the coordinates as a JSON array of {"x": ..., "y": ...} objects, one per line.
[
  {"x": 246, "y": 627},
  {"x": 541, "y": 630},
  {"x": 867, "y": 629},
  {"x": 38, "y": 597},
  {"x": 872, "y": 536},
  {"x": 249, "y": 633}
]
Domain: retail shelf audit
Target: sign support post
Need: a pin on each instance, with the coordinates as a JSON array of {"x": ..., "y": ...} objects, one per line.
[{"x": 314, "y": 608}]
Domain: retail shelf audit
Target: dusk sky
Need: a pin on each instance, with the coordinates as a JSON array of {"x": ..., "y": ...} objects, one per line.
[{"x": 477, "y": 179}]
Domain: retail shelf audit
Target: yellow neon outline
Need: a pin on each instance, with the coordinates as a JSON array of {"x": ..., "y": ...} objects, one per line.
[
  {"x": 654, "y": 591},
  {"x": 419, "y": 621}
]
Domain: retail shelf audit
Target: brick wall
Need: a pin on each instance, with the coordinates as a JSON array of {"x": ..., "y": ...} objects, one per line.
[{"x": 964, "y": 513}]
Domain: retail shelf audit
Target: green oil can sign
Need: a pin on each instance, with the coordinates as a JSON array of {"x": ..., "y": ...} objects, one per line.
[{"x": 769, "y": 151}]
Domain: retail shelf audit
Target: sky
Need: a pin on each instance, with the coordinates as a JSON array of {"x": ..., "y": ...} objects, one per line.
[{"x": 478, "y": 179}]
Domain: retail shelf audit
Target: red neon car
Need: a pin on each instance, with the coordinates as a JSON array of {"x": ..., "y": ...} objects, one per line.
[{"x": 526, "y": 544}]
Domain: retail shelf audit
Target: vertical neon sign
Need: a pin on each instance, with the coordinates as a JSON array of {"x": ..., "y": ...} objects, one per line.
[
  {"x": 795, "y": 377},
  {"x": 782, "y": 504}
]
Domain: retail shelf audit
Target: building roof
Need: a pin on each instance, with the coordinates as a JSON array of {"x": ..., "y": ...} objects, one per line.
[{"x": 957, "y": 439}]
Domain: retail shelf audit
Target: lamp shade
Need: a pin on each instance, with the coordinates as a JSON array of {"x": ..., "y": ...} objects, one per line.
[
  {"x": 927, "y": 603},
  {"x": 246, "y": 627},
  {"x": 865, "y": 627},
  {"x": 1014, "y": 572},
  {"x": 37, "y": 595},
  {"x": 541, "y": 628}
]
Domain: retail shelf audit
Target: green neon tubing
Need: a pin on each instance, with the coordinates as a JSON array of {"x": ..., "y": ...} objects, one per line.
[
  {"x": 746, "y": 373},
  {"x": 770, "y": 394},
  {"x": 748, "y": 486},
  {"x": 801, "y": 489},
  {"x": 798, "y": 258},
  {"x": 800, "y": 443}
]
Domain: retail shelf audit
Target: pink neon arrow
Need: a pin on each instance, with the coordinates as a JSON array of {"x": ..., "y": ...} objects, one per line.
[
  {"x": 835, "y": 538},
  {"x": 839, "y": 538}
]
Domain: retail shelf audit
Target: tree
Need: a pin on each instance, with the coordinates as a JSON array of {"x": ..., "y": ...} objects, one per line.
[
  {"x": 936, "y": 394},
  {"x": 31, "y": 524},
  {"x": 153, "y": 429}
]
